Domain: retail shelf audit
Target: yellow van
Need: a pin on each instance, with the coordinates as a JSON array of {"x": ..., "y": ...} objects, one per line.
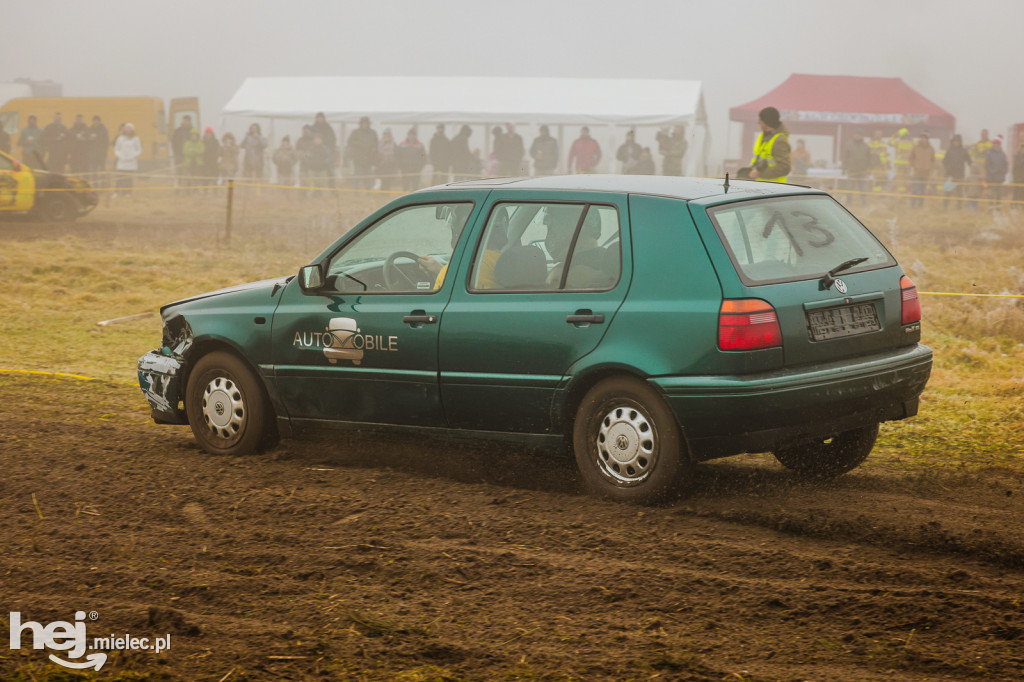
[{"x": 152, "y": 121}]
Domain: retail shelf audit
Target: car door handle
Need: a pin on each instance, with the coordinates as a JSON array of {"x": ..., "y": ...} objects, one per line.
[
  {"x": 418, "y": 318},
  {"x": 584, "y": 317}
]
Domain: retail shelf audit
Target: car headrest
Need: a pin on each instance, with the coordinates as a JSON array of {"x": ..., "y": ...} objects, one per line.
[
  {"x": 612, "y": 258},
  {"x": 521, "y": 267}
]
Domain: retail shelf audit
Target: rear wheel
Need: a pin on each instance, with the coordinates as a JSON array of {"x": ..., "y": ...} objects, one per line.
[
  {"x": 829, "y": 457},
  {"x": 227, "y": 409},
  {"x": 627, "y": 443}
]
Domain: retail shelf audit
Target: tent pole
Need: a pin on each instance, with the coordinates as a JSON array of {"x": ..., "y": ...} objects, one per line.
[
  {"x": 487, "y": 144},
  {"x": 341, "y": 148},
  {"x": 836, "y": 150},
  {"x": 271, "y": 148},
  {"x": 612, "y": 137},
  {"x": 562, "y": 153}
]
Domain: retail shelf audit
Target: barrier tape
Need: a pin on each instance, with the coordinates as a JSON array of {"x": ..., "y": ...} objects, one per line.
[
  {"x": 343, "y": 180},
  {"x": 946, "y": 293},
  {"x": 322, "y": 189},
  {"x": 147, "y": 188},
  {"x": 51, "y": 374},
  {"x": 932, "y": 180},
  {"x": 944, "y": 197},
  {"x": 350, "y": 190}
]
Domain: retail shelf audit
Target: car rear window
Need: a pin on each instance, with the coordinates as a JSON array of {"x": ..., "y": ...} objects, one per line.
[{"x": 793, "y": 238}]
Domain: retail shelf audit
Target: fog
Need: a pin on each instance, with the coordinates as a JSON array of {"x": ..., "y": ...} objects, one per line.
[{"x": 964, "y": 57}]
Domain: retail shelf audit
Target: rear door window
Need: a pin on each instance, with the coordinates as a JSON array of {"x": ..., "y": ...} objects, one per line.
[
  {"x": 794, "y": 238},
  {"x": 534, "y": 246}
]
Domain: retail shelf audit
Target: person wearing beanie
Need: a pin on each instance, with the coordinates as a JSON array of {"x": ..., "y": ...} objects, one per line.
[
  {"x": 544, "y": 152},
  {"x": 772, "y": 158},
  {"x": 322, "y": 128},
  {"x": 857, "y": 161},
  {"x": 996, "y": 167},
  {"x": 440, "y": 156},
  {"x": 285, "y": 157},
  {"x": 362, "y": 151},
  {"x": 955, "y": 163},
  {"x": 211, "y": 155},
  {"x": 922, "y": 162}
]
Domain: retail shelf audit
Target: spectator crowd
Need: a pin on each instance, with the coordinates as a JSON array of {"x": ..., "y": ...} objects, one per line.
[
  {"x": 316, "y": 159},
  {"x": 961, "y": 174},
  {"x": 367, "y": 160}
]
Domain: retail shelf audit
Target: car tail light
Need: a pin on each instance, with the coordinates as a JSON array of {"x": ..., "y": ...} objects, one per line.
[
  {"x": 748, "y": 324},
  {"x": 911, "y": 304}
]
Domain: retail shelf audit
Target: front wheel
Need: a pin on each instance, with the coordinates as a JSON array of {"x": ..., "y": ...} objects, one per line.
[
  {"x": 226, "y": 407},
  {"x": 56, "y": 208},
  {"x": 627, "y": 443},
  {"x": 829, "y": 457}
]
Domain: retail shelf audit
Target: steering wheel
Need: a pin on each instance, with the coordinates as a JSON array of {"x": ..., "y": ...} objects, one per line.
[{"x": 394, "y": 278}]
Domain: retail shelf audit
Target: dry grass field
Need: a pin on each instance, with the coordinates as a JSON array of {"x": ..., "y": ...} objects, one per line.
[{"x": 392, "y": 558}]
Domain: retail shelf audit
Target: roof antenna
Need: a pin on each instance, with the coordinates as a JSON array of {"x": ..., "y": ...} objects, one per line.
[{"x": 726, "y": 185}]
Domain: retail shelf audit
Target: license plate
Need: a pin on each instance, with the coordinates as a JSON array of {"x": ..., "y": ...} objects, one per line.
[{"x": 834, "y": 323}]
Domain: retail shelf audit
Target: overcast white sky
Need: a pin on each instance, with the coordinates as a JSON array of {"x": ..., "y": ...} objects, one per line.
[{"x": 966, "y": 57}]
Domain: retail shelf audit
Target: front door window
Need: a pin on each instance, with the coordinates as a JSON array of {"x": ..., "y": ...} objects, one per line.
[{"x": 405, "y": 252}]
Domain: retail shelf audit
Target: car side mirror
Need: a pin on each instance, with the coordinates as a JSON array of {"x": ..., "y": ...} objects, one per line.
[{"x": 311, "y": 278}]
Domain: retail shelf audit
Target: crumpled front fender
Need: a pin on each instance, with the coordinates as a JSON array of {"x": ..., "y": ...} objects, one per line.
[{"x": 160, "y": 379}]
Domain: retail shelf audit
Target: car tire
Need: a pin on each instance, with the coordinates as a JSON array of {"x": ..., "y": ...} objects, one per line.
[
  {"x": 829, "y": 457},
  {"x": 227, "y": 408},
  {"x": 627, "y": 443},
  {"x": 57, "y": 209}
]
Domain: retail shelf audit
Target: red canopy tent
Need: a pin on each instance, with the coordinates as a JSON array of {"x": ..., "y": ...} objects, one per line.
[{"x": 838, "y": 105}]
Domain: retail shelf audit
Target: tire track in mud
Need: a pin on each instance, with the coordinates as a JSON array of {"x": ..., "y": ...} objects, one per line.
[{"x": 974, "y": 516}]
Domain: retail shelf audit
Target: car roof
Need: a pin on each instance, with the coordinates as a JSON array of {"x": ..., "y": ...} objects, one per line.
[{"x": 658, "y": 185}]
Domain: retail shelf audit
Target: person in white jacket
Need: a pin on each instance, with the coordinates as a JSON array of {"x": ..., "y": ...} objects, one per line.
[{"x": 127, "y": 150}]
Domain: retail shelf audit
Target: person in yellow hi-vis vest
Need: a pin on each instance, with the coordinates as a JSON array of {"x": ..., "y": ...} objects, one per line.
[
  {"x": 880, "y": 166},
  {"x": 979, "y": 149},
  {"x": 771, "y": 161},
  {"x": 902, "y": 144}
]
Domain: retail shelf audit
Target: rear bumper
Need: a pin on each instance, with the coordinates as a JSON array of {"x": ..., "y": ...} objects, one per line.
[{"x": 724, "y": 415}]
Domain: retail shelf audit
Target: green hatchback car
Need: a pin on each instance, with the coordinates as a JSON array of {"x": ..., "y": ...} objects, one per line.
[{"x": 642, "y": 323}]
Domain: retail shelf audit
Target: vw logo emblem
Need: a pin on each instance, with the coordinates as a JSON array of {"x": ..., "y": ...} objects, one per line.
[
  {"x": 840, "y": 286},
  {"x": 219, "y": 407},
  {"x": 621, "y": 442}
]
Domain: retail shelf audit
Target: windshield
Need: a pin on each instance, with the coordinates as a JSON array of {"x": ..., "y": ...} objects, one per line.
[{"x": 794, "y": 238}]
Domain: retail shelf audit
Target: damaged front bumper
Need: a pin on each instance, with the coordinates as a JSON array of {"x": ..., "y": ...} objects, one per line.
[
  {"x": 160, "y": 376},
  {"x": 161, "y": 372}
]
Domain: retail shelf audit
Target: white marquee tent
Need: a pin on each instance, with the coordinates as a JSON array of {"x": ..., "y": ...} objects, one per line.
[{"x": 608, "y": 106}]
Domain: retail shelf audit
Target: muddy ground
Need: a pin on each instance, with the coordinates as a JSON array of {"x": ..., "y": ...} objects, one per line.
[
  {"x": 369, "y": 557},
  {"x": 381, "y": 557}
]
